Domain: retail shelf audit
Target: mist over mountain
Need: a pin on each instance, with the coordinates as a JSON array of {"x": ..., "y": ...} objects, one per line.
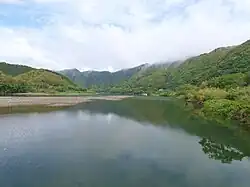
[
  {"x": 101, "y": 78},
  {"x": 194, "y": 70}
]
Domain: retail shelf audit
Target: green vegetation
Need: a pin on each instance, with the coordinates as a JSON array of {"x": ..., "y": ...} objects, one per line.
[
  {"x": 216, "y": 103},
  {"x": 100, "y": 79},
  {"x": 227, "y": 109},
  {"x": 14, "y": 69},
  {"x": 34, "y": 81},
  {"x": 228, "y": 81},
  {"x": 215, "y": 83},
  {"x": 11, "y": 85}
]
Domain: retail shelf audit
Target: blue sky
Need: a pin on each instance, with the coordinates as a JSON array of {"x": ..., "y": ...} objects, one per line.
[
  {"x": 26, "y": 15},
  {"x": 111, "y": 34}
]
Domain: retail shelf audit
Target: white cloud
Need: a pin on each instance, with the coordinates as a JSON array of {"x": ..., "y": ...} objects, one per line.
[{"x": 109, "y": 34}]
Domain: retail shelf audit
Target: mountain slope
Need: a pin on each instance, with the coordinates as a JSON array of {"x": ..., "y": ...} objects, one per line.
[
  {"x": 44, "y": 79},
  {"x": 215, "y": 84},
  {"x": 219, "y": 62},
  {"x": 195, "y": 70},
  {"x": 14, "y": 69},
  {"x": 100, "y": 78},
  {"x": 34, "y": 80},
  {"x": 74, "y": 75}
]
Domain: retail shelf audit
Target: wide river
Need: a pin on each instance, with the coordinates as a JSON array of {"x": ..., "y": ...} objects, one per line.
[{"x": 129, "y": 143}]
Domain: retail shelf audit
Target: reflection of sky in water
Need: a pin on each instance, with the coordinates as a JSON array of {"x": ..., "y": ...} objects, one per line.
[{"x": 85, "y": 142}]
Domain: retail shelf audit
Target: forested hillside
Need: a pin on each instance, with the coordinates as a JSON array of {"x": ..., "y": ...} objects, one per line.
[
  {"x": 14, "y": 69},
  {"x": 198, "y": 70},
  {"x": 101, "y": 79},
  {"x": 13, "y": 80},
  {"x": 217, "y": 82}
]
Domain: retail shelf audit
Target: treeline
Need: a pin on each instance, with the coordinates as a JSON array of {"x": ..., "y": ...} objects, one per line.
[{"x": 6, "y": 88}]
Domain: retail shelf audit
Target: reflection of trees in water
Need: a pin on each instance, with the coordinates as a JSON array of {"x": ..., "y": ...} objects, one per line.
[
  {"x": 171, "y": 113},
  {"x": 224, "y": 153}
]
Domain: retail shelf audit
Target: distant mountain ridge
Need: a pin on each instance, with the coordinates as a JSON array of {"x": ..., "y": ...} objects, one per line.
[
  {"x": 147, "y": 77},
  {"x": 105, "y": 78},
  {"x": 101, "y": 78}
]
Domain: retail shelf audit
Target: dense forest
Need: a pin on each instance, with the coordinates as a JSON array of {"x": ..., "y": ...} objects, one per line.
[{"x": 24, "y": 79}]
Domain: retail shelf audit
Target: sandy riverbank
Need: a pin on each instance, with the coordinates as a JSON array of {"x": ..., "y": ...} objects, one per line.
[{"x": 53, "y": 101}]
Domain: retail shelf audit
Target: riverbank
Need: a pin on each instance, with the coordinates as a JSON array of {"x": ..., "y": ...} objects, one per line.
[
  {"x": 218, "y": 104},
  {"x": 52, "y": 101}
]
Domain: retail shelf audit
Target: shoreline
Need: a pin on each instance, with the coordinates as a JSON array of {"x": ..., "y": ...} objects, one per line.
[{"x": 14, "y": 101}]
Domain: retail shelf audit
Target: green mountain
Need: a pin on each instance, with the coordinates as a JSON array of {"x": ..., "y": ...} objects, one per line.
[
  {"x": 216, "y": 84},
  {"x": 101, "y": 78},
  {"x": 14, "y": 69},
  {"x": 217, "y": 63},
  {"x": 22, "y": 79},
  {"x": 202, "y": 69}
]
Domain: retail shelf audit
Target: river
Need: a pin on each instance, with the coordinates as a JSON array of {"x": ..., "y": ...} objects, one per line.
[{"x": 130, "y": 143}]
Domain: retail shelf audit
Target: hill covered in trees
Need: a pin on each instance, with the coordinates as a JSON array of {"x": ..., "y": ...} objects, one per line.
[
  {"x": 217, "y": 82},
  {"x": 222, "y": 64},
  {"x": 101, "y": 79},
  {"x": 14, "y": 69},
  {"x": 23, "y": 79}
]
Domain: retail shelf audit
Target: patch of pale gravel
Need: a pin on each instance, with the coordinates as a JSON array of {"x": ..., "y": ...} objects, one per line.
[{"x": 53, "y": 101}]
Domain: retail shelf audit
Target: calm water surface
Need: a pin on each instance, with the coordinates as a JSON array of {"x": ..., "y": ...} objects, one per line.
[{"x": 130, "y": 143}]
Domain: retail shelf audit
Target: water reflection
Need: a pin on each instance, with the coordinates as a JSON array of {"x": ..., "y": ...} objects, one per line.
[
  {"x": 167, "y": 113},
  {"x": 130, "y": 143},
  {"x": 226, "y": 154}
]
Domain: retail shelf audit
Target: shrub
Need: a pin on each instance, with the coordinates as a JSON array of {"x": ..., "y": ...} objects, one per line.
[
  {"x": 213, "y": 93},
  {"x": 242, "y": 93},
  {"x": 167, "y": 94},
  {"x": 229, "y": 81},
  {"x": 205, "y": 94},
  {"x": 227, "y": 109}
]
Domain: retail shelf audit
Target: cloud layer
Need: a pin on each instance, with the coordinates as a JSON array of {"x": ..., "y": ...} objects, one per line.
[{"x": 109, "y": 34}]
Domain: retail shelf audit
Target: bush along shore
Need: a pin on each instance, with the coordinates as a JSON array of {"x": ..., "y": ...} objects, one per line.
[{"x": 222, "y": 98}]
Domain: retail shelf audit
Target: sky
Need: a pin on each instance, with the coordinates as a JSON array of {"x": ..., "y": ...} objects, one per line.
[{"x": 116, "y": 34}]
